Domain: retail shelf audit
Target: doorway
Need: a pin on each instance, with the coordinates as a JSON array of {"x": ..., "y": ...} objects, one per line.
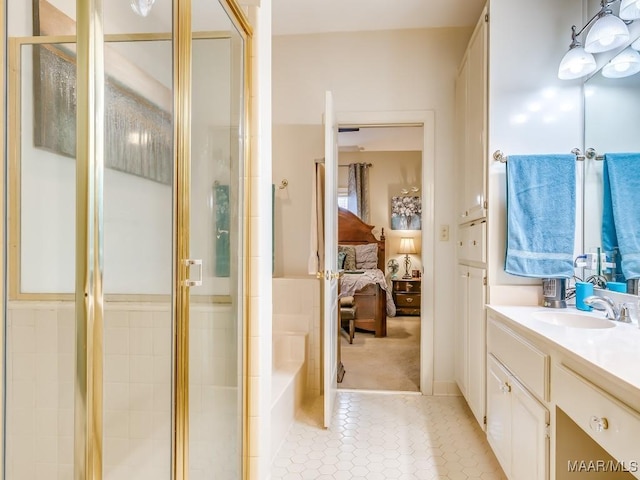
[
  {"x": 392, "y": 157},
  {"x": 426, "y": 121}
]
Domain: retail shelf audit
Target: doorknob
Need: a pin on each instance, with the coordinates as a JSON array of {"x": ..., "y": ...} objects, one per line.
[{"x": 193, "y": 283}]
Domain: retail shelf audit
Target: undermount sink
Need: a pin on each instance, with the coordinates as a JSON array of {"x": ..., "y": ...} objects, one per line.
[{"x": 573, "y": 320}]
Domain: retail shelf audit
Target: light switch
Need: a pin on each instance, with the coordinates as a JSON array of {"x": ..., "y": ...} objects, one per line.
[{"x": 444, "y": 233}]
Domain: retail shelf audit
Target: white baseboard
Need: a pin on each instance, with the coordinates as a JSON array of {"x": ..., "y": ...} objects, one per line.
[{"x": 446, "y": 389}]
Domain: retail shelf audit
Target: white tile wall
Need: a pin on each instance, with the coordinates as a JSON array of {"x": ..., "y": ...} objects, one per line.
[
  {"x": 137, "y": 391},
  {"x": 296, "y": 307}
]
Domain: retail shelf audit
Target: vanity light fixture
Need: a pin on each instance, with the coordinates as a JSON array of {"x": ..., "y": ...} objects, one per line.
[
  {"x": 630, "y": 9},
  {"x": 606, "y": 32},
  {"x": 576, "y": 62},
  {"x": 142, "y": 7},
  {"x": 636, "y": 45},
  {"x": 625, "y": 64}
]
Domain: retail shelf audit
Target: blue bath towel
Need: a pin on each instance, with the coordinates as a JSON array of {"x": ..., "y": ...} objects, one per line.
[
  {"x": 620, "y": 214},
  {"x": 541, "y": 207}
]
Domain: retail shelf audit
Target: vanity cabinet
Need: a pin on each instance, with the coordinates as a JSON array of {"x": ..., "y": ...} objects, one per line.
[
  {"x": 608, "y": 421},
  {"x": 471, "y": 125},
  {"x": 517, "y": 419},
  {"x": 517, "y": 425},
  {"x": 470, "y": 334}
]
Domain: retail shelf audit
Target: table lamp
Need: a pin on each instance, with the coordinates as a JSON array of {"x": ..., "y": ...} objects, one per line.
[{"x": 407, "y": 247}]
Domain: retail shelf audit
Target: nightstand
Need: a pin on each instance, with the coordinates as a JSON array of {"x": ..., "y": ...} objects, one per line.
[{"x": 406, "y": 296}]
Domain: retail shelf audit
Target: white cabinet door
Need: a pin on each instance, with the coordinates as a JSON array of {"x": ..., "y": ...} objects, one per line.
[
  {"x": 529, "y": 439},
  {"x": 477, "y": 342},
  {"x": 461, "y": 139},
  {"x": 475, "y": 178},
  {"x": 499, "y": 413},
  {"x": 461, "y": 331}
]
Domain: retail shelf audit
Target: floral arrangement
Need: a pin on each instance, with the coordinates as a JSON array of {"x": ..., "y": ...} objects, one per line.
[{"x": 406, "y": 213}]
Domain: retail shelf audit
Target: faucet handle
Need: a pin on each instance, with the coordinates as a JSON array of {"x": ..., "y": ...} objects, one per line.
[{"x": 625, "y": 316}]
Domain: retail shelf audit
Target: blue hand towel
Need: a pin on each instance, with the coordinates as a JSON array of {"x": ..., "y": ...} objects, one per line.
[
  {"x": 541, "y": 206},
  {"x": 620, "y": 216}
]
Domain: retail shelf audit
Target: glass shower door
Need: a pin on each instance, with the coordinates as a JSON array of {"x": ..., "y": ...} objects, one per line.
[{"x": 216, "y": 205}]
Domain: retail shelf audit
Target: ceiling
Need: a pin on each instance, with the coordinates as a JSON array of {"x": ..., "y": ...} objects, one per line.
[{"x": 292, "y": 17}]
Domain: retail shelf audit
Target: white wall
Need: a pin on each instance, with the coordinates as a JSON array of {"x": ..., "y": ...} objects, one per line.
[
  {"x": 530, "y": 109},
  {"x": 370, "y": 71}
]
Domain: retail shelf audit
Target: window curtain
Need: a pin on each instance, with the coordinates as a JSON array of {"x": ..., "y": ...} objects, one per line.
[{"x": 358, "y": 190}]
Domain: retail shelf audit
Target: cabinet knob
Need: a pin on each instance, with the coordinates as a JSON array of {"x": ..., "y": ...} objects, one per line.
[
  {"x": 598, "y": 424},
  {"x": 505, "y": 388},
  {"x": 409, "y": 300},
  {"x": 474, "y": 243}
]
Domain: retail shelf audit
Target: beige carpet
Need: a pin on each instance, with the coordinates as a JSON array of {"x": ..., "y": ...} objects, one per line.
[{"x": 388, "y": 363}]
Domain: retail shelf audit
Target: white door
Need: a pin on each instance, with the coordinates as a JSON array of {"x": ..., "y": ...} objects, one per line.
[{"x": 330, "y": 259}]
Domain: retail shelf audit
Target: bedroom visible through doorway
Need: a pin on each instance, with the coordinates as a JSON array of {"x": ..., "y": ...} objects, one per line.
[{"x": 394, "y": 157}]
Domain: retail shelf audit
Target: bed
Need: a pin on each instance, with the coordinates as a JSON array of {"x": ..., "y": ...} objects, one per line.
[{"x": 372, "y": 295}]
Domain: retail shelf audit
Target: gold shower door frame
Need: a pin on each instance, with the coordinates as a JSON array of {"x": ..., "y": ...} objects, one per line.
[{"x": 89, "y": 171}]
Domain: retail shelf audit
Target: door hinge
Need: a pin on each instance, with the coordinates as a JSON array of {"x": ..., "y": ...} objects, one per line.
[
  {"x": 484, "y": 420},
  {"x": 547, "y": 430},
  {"x": 486, "y": 17},
  {"x": 485, "y": 205},
  {"x": 484, "y": 280}
]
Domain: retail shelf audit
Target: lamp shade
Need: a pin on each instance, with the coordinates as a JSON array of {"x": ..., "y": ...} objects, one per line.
[
  {"x": 576, "y": 63},
  {"x": 407, "y": 246},
  {"x": 630, "y": 9},
  {"x": 636, "y": 45},
  {"x": 625, "y": 64},
  {"x": 607, "y": 33}
]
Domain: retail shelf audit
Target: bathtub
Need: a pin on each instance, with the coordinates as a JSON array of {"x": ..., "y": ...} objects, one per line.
[{"x": 288, "y": 381}]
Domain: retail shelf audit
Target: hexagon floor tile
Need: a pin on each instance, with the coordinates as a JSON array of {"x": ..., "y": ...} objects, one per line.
[{"x": 387, "y": 436}]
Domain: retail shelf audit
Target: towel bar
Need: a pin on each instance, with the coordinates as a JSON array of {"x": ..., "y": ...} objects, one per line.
[{"x": 499, "y": 156}]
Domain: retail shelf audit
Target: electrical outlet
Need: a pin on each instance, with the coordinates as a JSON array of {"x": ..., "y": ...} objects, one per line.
[{"x": 444, "y": 233}]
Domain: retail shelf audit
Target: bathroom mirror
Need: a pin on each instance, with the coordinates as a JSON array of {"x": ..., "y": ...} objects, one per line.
[{"x": 611, "y": 119}]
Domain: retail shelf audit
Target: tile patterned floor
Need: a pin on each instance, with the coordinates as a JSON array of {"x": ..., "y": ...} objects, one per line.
[{"x": 378, "y": 436}]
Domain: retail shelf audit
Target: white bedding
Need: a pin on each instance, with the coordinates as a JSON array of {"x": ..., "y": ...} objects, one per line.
[{"x": 352, "y": 282}]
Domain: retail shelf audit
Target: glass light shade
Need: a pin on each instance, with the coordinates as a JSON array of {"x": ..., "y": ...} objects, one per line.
[
  {"x": 636, "y": 45},
  {"x": 625, "y": 64},
  {"x": 607, "y": 33},
  {"x": 407, "y": 246},
  {"x": 630, "y": 9},
  {"x": 576, "y": 63},
  {"x": 142, "y": 7}
]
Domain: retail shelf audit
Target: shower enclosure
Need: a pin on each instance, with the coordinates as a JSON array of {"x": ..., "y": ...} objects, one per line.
[{"x": 124, "y": 240}]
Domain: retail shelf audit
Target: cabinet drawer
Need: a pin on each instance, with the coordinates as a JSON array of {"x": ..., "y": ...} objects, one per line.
[
  {"x": 589, "y": 406},
  {"x": 529, "y": 365},
  {"x": 408, "y": 300},
  {"x": 471, "y": 243},
  {"x": 409, "y": 286}
]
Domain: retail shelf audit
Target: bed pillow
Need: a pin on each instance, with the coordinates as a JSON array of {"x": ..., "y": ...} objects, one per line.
[
  {"x": 341, "y": 257},
  {"x": 350, "y": 256},
  {"x": 367, "y": 256}
]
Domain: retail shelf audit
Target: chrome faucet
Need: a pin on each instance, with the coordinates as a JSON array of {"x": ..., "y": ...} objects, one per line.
[{"x": 612, "y": 311}]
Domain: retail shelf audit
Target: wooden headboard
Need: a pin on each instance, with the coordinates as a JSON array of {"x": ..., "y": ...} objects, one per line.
[{"x": 353, "y": 231}]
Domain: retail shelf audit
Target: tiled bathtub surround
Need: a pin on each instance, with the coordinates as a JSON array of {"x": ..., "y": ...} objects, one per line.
[
  {"x": 137, "y": 391},
  {"x": 296, "y": 307}
]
